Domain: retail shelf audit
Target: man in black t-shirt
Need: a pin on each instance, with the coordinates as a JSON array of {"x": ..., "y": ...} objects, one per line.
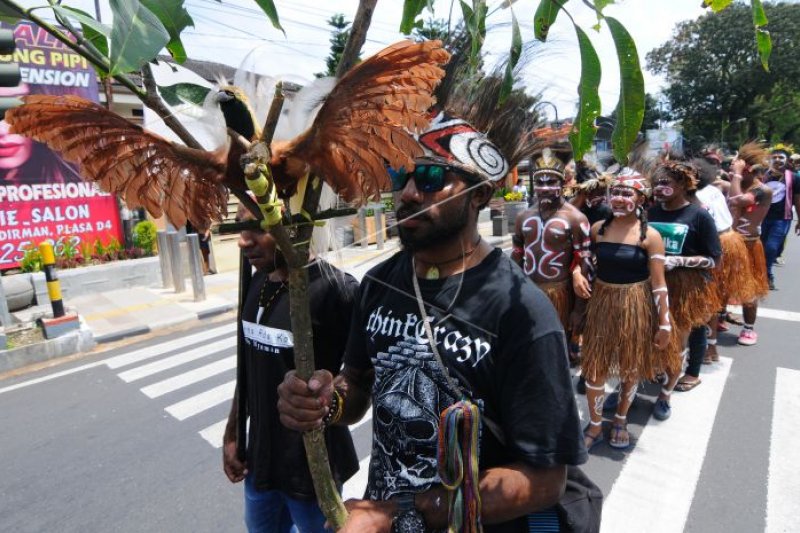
[
  {"x": 279, "y": 491},
  {"x": 496, "y": 342},
  {"x": 785, "y": 186}
]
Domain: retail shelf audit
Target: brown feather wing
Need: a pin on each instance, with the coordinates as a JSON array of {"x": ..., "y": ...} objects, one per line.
[
  {"x": 144, "y": 169},
  {"x": 366, "y": 120}
]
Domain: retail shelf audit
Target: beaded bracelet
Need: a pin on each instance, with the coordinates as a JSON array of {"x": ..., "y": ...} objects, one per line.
[{"x": 335, "y": 411}]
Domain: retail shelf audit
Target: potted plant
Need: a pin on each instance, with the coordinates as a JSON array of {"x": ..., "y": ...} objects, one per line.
[{"x": 514, "y": 204}]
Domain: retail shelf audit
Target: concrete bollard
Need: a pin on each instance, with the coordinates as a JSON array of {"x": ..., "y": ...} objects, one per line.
[
  {"x": 378, "y": 210},
  {"x": 53, "y": 285},
  {"x": 499, "y": 226},
  {"x": 164, "y": 259},
  {"x": 362, "y": 223},
  {"x": 5, "y": 315},
  {"x": 61, "y": 323},
  {"x": 40, "y": 288},
  {"x": 196, "y": 267},
  {"x": 176, "y": 261}
]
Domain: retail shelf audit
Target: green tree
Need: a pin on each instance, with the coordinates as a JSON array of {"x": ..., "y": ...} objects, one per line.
[
  {"x": 432, "y": 29},
  {"x": 338, "y": 40},
  {"x": 716, "y": 85}
]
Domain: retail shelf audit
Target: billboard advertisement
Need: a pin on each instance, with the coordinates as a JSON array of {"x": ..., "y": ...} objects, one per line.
[{"x": 41, "y": 196}]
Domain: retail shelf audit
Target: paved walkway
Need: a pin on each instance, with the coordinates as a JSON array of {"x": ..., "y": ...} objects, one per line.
[{"x": 122, "y": 313}]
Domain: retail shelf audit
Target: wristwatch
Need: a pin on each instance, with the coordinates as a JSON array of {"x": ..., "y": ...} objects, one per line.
[{"x": 407, "y": 519}]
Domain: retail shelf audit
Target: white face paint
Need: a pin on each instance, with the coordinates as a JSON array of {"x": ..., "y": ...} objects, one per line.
[
  {"x": 663, "y": 192},
  {"x": 622, "y": 206},
  {"x": 547, "y": 188},
  {"x": 622, "y": 201}
]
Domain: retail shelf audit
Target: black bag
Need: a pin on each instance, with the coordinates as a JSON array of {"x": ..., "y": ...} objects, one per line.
[{"x": 581, "y": 506}]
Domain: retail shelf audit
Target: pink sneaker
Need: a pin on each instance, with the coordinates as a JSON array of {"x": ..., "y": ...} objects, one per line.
[{"x": 747, "y": 337}]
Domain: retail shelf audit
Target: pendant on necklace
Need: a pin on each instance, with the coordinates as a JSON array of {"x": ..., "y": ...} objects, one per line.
[{"x": 432, "y": 272}]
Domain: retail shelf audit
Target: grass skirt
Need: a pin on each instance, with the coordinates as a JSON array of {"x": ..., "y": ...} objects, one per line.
[
  {"x": 734, "y": 273},
  {"x": 562, "y": 297},
  {"x": 758, "y": 265},
  {"x": 692, "y": 299},
  {"x": 621, "y": 321}
]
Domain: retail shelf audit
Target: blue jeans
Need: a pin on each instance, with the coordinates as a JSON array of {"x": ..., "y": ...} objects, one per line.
[
  {"x": 272, "y": 511},
  {"x": 773, "y": 233}
]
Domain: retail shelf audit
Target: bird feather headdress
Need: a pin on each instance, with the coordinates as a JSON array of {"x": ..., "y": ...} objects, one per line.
[{"x": 366, "y": 121}]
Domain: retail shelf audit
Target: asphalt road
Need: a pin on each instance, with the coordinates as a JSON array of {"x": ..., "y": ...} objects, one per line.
[{"x": 128, "y": 439}]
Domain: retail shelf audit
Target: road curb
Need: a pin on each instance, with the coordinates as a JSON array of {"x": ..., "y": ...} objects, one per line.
[
  {"x": 144, "y": 329},
  {"x": 73, "y": 342}
]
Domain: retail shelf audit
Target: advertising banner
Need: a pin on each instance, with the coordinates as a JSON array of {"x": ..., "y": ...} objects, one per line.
[{"x": 41, "y": 196}]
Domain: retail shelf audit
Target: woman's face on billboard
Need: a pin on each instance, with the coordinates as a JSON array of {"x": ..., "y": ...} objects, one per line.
[{"x": 15, "y": 150}]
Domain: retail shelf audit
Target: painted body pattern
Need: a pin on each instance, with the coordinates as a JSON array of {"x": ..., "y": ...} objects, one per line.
[{"x": 540, "y": 259}]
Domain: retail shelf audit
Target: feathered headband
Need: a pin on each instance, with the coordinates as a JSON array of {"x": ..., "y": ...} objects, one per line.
[
  {"x": 455, "y": 142},
  {"x": 548, "y": 164},
  {"x": 680, "y": 170},
  {"x": 631, "y": 178},
  {"x": 782, "y": 148}
]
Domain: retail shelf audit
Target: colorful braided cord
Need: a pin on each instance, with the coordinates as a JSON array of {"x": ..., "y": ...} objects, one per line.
[{"x": 459, "y": 425}]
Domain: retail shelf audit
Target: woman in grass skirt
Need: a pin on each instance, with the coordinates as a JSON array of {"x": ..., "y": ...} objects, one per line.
[
  {"x": 627, "y": 317},
  {"x": 693, "y": 251}
]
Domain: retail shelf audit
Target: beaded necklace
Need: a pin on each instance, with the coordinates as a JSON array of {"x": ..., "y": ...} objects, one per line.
[{"x": 264, "y": 307}]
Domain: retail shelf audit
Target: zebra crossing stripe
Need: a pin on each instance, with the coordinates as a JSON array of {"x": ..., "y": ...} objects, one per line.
[
  {"x": 213, "y": 434},
  {"x": 150, "y": 352},
  {"x": 356, "y": 485},
  {"x": 783, "y": 488},
  {"x": 203, "y": 401},
  {"x": 177, "y": 360},
  {"x": 189, "y": 378},
  {"x": 656, "y": 486}
]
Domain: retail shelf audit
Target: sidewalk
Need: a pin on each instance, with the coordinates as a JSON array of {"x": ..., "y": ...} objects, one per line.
[{"x": 117, "y": 314}]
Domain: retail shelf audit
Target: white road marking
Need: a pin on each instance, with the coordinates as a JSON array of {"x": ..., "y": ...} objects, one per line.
[
  {"x": 764, "y": 312},
  {"x": 203, "y": 401},
  {"x": 176, "y": 360},
  {"x": 355, "y": 486},
  {"x": 159, "y": 349},
  {"x": 189, "y": 378},
  {"x": 783, "y": 505},
  {"x": 367, "y": 418},
  {"x": 656, "y": 486},
  {"x": 44, "y": 379},
  {"x": 213, "y": 434}
]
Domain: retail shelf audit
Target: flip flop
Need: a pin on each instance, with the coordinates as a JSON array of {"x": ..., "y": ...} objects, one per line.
[
  {"x": 685, "y": 385},
  {"x": 593, "y": 440},
  {"x": 615, "y": 429}
]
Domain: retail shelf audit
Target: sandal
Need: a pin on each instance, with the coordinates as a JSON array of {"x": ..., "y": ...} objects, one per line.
[
  {"x": 685, "y": 385},
  {"x": 591, "y": 441},
  {"x": 617, "y": 431},
  {"x": 729, "y": 318},
  {"x": 712, "y": 355}
]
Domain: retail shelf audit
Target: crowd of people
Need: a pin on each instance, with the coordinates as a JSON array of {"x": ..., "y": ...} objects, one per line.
[
  {"x": 650, "y": 260},
  {"x": 463, "y": 354},
  {"x": 636, "y": 264}
]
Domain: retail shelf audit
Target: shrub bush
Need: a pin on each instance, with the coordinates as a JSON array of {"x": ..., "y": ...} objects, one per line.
[
  {"x": 144, "y": 236},
  {"x": 31, "y": 260}
]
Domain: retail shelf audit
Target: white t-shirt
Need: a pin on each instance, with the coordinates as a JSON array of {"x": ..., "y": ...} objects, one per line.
[{"x": 716, "y": 205}]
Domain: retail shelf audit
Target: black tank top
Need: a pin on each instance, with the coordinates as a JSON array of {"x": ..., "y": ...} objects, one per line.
[{"x": 621, "y": 263}]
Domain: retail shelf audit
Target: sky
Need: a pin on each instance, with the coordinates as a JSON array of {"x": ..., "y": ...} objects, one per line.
[{"x": 227, "y": 31}]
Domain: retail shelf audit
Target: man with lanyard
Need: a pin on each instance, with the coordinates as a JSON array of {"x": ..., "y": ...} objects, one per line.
[
  {"x": 551, "y": 237},
  {"x": 497, "y": 349},
  {"x": 278, "y": 490},
  {"x": 785, "y": 185}
]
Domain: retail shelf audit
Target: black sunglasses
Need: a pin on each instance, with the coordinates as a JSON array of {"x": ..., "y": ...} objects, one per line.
[{"x": 427, "y": 177}]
